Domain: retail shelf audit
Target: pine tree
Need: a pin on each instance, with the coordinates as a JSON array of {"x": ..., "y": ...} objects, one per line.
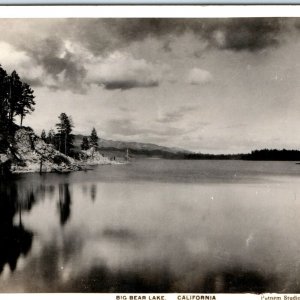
[
  {"x": 16, "y": 99},
  {"x": 4, "y": 108},
  {"x": 94, "y": 138},
  {"x": 43, "y": 135},
  {"x": 65, "y": 138},
  {"x": 85, "y": 145},
  {"x": 51, "y": 137},
  {"x": 25, "y": 105},
  {"x": 15, "y": 96}
]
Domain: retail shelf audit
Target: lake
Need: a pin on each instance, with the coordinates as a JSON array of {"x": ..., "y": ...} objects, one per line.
[{"x": 153, "y": 226}]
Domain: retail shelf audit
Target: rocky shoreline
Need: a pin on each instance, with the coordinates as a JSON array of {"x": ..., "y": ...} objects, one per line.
[{"x": 29, "y": 154}]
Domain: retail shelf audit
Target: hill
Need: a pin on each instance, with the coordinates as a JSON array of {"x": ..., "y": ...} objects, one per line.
[{"x": 145, "y": 149}]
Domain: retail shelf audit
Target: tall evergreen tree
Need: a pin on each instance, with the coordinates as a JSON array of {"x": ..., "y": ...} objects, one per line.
[
  {"x": 65, "y": 138},
  {"x": 26, "y": 104},
  {"x": 85, "y": 145},
  {"x": 16, "y": 99},
  {"x": 51, "y": 137},
  {"x": 4, "y": 108},
  {"x": 94, "y": 138},
  {"x": 43, "y": 135},
  {"x": 15, "y": 96}
]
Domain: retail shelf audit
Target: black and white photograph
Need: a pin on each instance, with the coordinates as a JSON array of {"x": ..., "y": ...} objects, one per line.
[{"x": 150, "y": 155}]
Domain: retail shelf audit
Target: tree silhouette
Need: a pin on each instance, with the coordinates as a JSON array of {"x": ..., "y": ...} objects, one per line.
[
  {"x": 94, "y": 138},
  {"x": 16, "y": 99},
  {"x": 15, "y": 96},
  {"x": 64, "y": 203},
  {"x": 3, "y": 100},
  {"x": 26, "y": 103},
  {"x": 15, "y": 239},
  {"x": 65, "y": 138},
  {"x": 51, "y": 137},
  {"x": 43, "y": 135},
  {"x": 85, "y": 145}
]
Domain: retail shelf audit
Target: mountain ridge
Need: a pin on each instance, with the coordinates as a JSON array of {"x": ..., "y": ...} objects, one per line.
[{"x": 135, "y": 146}]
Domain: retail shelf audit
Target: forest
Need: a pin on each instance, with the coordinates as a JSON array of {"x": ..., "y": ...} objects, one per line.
[
  {"x": 263, "y": 155},
  {"x": 17, "y": 100}
]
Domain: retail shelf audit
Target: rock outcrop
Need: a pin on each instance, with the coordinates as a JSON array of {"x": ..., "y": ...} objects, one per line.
[
  {"x": 29, "y": 153},
  {"x": 93, "y": 157},
  {"x": 32, "y": 154}
]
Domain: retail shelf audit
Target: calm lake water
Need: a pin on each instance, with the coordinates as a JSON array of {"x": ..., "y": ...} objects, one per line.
[{"x": 153, "y": 226}]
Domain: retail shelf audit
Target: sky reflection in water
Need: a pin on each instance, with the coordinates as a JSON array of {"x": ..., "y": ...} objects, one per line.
[{"x": 153, "y": 226}]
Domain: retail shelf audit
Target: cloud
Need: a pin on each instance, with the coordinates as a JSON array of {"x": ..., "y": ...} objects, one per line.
[
  {"x": 249, "y": 34},
  {"x": 65, "y": 69},
  {"x": 122, "y": 71},
  {"x": 176, "y": 115},
  {"x": 105, "y": 35},
  {"x": 129, "y": 128},
  {"x": 125, "y": 127},
  {"x": 127, "y": 84},
  {"x": 69, "y": 54},
  {"x": 14, "y": 59},
  {"x": 171, "y": 117},
  {"x": 49, "y": 64},
  {"x": 198, "y": 76},
  {"x": 65, "y": 65}
]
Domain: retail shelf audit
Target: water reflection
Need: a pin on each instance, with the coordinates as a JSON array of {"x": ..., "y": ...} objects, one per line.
[
  {"x": 155, "y": 280},
  {"x": 93, "y": 192},
  {"x": 148, "y": 236},
  {"x": 56, "y": 273},
  {"x": 84, "y": 189},
  {"x": 120, "y": 234},
  {"x": 50, "y": 191},
  {"x": 64, "y": 203},
  {"x": 15, "y": 240},
  {"x": 238, "y": 280}
]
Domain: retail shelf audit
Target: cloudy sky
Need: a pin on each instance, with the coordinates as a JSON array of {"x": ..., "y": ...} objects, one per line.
[{"x": 209, "y": 85}]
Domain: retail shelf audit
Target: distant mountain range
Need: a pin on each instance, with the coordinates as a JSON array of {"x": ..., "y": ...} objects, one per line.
[
  {"x": 112, "y": 148},
  {"x": 136, "y": 148}
]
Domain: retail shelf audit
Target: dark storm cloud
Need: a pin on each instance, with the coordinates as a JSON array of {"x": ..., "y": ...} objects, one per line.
[
  {"x": 44, "y": 41},
  {"x": 249, "y": 34},
  {"x": 65, "y": 69},
  {"x": 47, "y": 52},
  {"x": 246, "y": 34},
  {"x": 101, "y": 35},
  {"x": 128, "y": 84}
]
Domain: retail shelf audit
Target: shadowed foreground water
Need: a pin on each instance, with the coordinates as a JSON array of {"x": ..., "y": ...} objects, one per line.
[{"x": 153, "y": 226}]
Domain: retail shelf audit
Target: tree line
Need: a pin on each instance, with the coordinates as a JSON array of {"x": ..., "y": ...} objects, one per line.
[
  {"x": 63, "y": 138},
  {"x": 262, "y": 155},
  {"x": 273, "y": 154},
  {"x": 16, "y": 99}
]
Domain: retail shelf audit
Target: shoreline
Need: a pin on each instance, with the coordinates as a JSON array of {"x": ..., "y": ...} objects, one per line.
[
  {"x": 64, "y": 169},
  {"x": 31, "y": 154}
]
